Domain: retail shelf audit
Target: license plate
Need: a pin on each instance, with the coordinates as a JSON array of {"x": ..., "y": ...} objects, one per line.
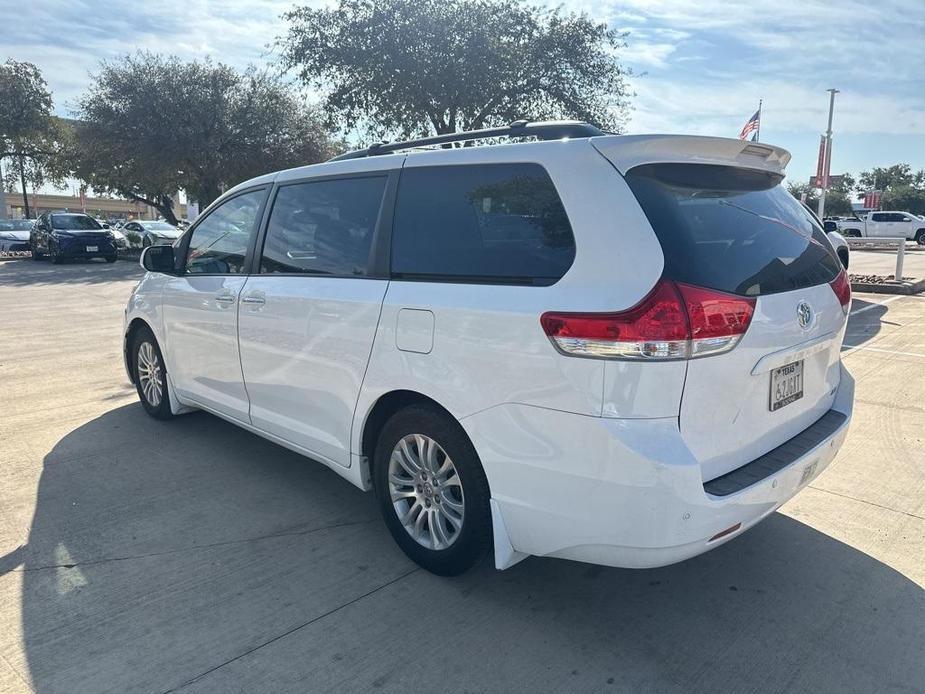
[
  {"x": 786, "y": 385},
  {"x": 92, "y": 249}
]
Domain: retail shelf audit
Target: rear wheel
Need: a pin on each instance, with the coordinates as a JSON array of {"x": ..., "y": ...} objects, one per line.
[
  {"x": 843, "y": 257},
  {"x": 920, "y": 237},
  {"x": 432, "y": 490},
  {"x": 150, "y": 375}
]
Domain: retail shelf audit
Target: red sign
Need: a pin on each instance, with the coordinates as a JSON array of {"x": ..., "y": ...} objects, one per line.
[
  {"x": 820, "y": 163},
  {"x": 872, "y": 199}
]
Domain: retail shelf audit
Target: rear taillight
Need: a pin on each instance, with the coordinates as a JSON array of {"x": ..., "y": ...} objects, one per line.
[
  {"x": 718, "y": 320},
  {"x": 675, "y": 321},
  {"x": 842, "y": 288}
]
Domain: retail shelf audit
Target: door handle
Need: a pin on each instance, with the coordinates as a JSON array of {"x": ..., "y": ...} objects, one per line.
[
  {"x": 253, "y": 300},
  {"x": 225, "y": 298}
]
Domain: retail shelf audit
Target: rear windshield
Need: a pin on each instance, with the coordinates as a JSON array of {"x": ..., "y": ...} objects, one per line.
[
  {"x": 74, "y": 221},
  {"x": 732, "y": 229}
]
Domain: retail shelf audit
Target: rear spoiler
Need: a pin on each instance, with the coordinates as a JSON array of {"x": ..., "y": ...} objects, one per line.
[{"x": 629, "y": 151}]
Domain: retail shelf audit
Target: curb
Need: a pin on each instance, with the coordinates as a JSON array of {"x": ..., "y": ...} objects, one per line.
[{"x": 889, "y": 287}]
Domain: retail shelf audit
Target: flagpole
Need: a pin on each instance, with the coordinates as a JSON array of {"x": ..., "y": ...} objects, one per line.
[{"x": 758, "y": 129}]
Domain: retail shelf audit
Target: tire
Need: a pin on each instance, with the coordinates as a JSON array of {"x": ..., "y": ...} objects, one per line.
[
  {"x": 920, "y": 237},
  {"x": 147, "y": 363},
  {"x": 111, "y": 258},
  {"x": 37, "y": 255},
  {"x": 402, "y": 486},
  {"x": 843, "y": 257},
  {"x": 55, "y": 258}
]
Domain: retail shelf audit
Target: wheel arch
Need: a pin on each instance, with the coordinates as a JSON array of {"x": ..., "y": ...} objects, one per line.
[
  {"x": 844, "y": 256},
  {"x": 134, "y": 327},
  {"x": 383, "y": 408}
]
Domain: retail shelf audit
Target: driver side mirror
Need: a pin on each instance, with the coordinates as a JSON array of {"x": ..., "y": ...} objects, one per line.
[{"x": 159, "y": 259}]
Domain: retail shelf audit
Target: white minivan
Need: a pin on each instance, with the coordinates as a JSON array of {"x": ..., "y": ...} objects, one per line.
[{"x": 622, "y": 350}]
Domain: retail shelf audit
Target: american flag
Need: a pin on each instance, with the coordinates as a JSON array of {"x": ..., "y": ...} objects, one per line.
[{"x": 751, "y": 125}]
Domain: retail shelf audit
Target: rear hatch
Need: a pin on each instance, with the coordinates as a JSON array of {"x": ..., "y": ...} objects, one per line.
[{"x": 736, "y": 230}]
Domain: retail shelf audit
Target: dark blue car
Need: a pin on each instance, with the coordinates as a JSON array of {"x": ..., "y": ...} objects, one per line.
[{"x": 63, "y": 235}]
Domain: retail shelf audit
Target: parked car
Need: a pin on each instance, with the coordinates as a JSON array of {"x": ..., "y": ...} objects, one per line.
[
  {"x": 841, "y": 247},
  {"x": 885, "y": 224},
  {"x": 153, "y": 233},
  {"x": 119, "y": 236},
  {"x": 64, "y": 235},
  {"x": 14, "y": 235},
  {"x": 622, "y": 350},
  {"x": 837, "y": 240}
]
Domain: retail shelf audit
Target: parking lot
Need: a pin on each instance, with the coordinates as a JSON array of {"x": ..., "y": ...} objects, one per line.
[{"x": 192, "y": 556}]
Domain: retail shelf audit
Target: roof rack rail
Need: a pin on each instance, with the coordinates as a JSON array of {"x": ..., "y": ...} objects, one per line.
[{"x": 543, "y": 130}]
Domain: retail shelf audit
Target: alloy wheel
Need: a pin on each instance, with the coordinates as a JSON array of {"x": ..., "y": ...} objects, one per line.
[
  {"x": 426, "y": 492},
  {"x": 150, "y": 374}
]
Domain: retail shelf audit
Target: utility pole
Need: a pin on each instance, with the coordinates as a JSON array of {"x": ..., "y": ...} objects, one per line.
[
  {"x": 828, "y": 154},
  {"x": 2, "y": 194}
]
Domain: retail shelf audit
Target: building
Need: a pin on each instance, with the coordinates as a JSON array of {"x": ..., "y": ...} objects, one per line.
[{"x": 103, "y": 208}]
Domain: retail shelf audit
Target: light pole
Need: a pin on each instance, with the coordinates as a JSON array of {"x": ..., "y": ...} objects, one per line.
[{"x": 828, "y": 154}]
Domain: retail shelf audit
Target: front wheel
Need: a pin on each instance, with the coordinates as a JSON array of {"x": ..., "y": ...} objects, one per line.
[
  {"x": 920, "y": 237},
  {"x": 432, "y": 490},
  {"x": 150, "y": 375}
]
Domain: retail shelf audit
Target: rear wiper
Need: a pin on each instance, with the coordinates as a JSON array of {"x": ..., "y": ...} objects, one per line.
[{"x": 773, "y": 220}]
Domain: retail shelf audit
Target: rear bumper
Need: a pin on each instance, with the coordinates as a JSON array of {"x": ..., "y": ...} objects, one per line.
[{"x": 624, "y": 492}]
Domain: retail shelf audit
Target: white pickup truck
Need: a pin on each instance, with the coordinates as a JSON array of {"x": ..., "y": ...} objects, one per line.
[{"x": 884, "y": 224}]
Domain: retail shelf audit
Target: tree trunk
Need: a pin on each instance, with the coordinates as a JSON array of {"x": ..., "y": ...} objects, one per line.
[
  {"x": 22, "y": 180},
  {"x": 208, "y": 191},
  {"x": 165, "y": 207}
]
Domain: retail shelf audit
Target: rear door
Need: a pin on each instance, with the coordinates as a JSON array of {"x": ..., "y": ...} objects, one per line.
[
  {"x": 738, "y": 231},
  {"x": 309, "y": 315}
]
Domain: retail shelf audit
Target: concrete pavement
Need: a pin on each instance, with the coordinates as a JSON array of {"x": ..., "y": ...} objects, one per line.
[{"x": 141, "y": 556}]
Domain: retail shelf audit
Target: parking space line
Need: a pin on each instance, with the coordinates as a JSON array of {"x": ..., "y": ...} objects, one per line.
[
  {"x": 885, "y": 351},
  {"x": 879, "y": 303}
]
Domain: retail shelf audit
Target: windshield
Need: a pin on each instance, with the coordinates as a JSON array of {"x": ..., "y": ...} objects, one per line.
[
  {"x": 74, "y": 222},
  {"x": 15, "y": 224},
  {"x": 161, "y": 226},
  {"x": 731, "y": 229}
]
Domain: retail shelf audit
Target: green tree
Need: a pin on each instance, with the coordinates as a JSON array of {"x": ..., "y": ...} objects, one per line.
[
  {"x": 409, "y": 67},
  {"x": 904, "y": 198},
  {"x": 889, "y": 177},
  {"x": 32, "y": 139},
  {"x": 837, "y": 198},
  {"x": 152, "y": 125}
]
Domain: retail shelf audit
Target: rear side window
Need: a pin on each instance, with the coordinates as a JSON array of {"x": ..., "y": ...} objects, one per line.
[
  {"x": 481, "y": 223},
  {"x": 732, "y": 229},
  {"x": 323, "y": 227}
]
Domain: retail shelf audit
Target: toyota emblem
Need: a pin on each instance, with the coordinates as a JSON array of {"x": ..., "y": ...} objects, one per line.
[{"x": 804, "y": 315}]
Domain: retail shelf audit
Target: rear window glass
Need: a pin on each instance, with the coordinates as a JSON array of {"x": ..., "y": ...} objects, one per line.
[
  {"x": 481, "y": 223},
  {"x": 732, "y": 229}
]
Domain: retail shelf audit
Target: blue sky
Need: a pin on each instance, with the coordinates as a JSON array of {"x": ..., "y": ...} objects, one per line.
[{"x": 700, "y": 65}]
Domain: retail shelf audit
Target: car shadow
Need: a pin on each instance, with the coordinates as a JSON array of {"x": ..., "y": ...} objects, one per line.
[
  {"x": 864, "y": 322},
  {"x": 28, "y": 272},
  {"x": 192, "y": 553}
]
